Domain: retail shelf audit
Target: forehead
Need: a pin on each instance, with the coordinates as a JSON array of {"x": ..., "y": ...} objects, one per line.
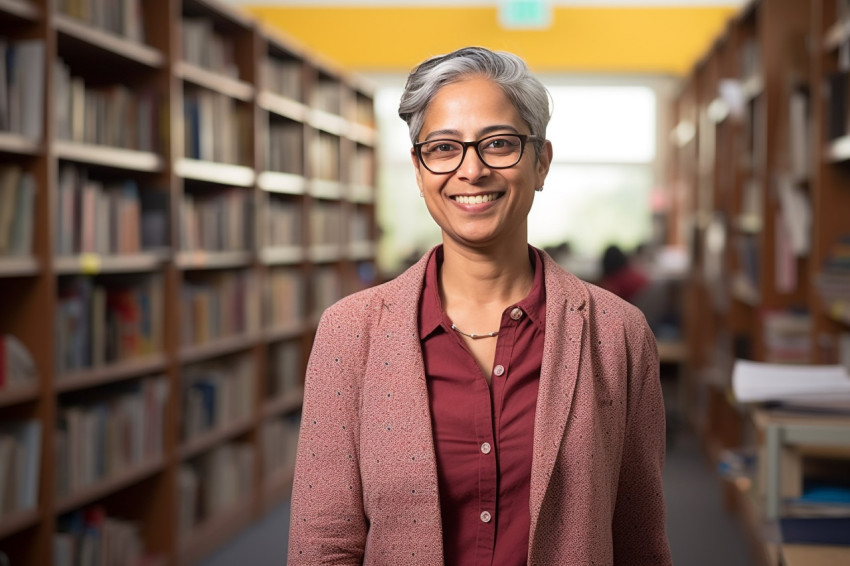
[{"x": 469, "y": 105}]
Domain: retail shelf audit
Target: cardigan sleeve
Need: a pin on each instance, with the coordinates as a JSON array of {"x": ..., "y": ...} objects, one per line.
[
  {"x": 327, "y": 522},
  {"x": 639, "y": 530}
]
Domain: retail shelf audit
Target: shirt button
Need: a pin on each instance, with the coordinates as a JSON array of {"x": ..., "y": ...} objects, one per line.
[
  {"x": 485, "y": 516},
  {"x": 516, "y": 314},
  {"x": 499, "y": 370},
  {"x": 485, "y": 448}
]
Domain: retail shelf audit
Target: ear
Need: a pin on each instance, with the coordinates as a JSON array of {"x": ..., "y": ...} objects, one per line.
[
  {"x": 417, "y": 168},
  {"x": 544, "y": 160}
]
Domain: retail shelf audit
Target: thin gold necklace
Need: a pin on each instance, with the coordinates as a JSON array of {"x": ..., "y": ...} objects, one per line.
[{"x": 475, "y": 336}]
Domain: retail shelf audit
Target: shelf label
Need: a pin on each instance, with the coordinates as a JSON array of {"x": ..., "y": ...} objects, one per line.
[{"x": 90, "y": 263}]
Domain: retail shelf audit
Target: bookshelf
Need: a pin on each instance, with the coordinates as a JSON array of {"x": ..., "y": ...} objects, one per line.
[
  {"x": 760, "y": 169},
  {"x": 188, "y": 190}
]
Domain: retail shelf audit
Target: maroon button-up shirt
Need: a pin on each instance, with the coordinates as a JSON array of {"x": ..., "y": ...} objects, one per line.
[{"x": 484, "y": 435}]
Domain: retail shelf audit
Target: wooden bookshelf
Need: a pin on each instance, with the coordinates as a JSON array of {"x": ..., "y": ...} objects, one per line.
[
  {"x": 277, "y": 129},
  {"x": 764, "y": 201}
]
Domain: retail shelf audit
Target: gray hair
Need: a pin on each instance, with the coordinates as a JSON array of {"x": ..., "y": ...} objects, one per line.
[{"x": 526, "y": 92}]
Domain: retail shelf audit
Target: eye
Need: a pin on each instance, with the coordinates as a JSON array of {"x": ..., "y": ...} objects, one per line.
[{"x": 500, "y": 144}]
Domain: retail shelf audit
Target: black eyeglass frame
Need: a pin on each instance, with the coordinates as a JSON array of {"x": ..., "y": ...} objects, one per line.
[{"x": 523, "y": 139}]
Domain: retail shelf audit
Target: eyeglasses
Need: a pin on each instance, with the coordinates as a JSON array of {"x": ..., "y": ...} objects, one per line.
[{"x": 499, "y": 151}]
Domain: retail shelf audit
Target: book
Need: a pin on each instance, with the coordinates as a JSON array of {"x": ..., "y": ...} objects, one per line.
[{"x": 803, "y": 385}]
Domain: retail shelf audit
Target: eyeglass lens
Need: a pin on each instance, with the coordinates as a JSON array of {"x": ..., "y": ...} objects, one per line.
[{"x": 499, "y": 151}]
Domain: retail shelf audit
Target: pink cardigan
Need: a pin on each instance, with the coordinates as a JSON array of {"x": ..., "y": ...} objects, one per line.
[{"x": 365, "y": 489}]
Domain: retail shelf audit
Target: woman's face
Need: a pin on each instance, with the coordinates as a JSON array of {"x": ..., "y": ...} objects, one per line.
[{"x": 470, "y": 110}]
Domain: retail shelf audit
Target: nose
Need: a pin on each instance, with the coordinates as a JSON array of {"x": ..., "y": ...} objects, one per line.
[{"x": 472, "y": 167}]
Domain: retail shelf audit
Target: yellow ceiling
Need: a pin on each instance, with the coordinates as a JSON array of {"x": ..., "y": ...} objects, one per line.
[{"x": 657, "y": 40}]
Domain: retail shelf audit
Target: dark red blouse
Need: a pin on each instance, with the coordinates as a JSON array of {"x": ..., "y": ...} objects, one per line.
[{"x": 484, "y": 435}]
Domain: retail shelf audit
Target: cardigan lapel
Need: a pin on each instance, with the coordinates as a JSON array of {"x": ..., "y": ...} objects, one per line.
[{"x": 565, "y": 316}]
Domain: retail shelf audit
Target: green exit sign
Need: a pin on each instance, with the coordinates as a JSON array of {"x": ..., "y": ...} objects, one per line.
[{"x": 525, "y": 14}]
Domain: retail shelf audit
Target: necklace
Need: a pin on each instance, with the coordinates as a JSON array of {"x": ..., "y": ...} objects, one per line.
[{"x": 475, "y": 336}]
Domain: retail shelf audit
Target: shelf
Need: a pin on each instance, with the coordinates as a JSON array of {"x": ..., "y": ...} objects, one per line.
[
  {"x": 325, "y": 253},
  {"x": 234, "y": 88},
  {"x": 118, "y": 371},
  {"x": 284, "y": 183},
  {"x": 118, "y": 158},
  {"x": 282, "y": 106},
  {"x": 110, "y": 485},
  {"x": 94, "y": 264},
  {"x": 359, "y": 251},
  {"x": 108, "y": 42},
  {"x": 18, "y": 144},
  {"x": 361, "y": 194},
  {"x": 327, "y": 122},
  {"x": 214, "y": 531},
  {"x": 217, "y": 347},
  {"x": 290, "y": 255},
  {"x": 364, "y": 135},
  {"x": 212, "y": 172},
  {"x": 18, "y": 521},
  {"x": 329, "y": 190},
  {"x": 283, "y": 404},
  {"x": 284, "y": 331},
  {"x": 210, "y": 439},
  {"x": 18, "y": 267},
  {"x": 200, "y": 259},
  {"x": 17, "y": 394},
  {"x": 838, "y": 150},
  {"x": 22, "y": 9}
]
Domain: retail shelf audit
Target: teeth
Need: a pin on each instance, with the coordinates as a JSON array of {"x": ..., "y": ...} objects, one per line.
[{"x": 477, "y": 199}]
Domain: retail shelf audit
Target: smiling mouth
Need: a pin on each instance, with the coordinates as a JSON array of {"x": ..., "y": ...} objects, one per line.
[{"x": 477, "y": 199}]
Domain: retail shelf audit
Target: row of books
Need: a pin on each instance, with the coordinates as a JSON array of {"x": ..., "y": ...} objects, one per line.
[
  {"x": 107, "y": 217},
  {"x": 364, "y": 111},
  {"x": 283, "y": 222},
  {"x": 20, "y": 462},
  {"x": 279, "y": 437},
  {"x": 91, "y": 537},
  {"x": 327, "y": 288},
  {"x": 115, "y": 115},
  {"x": 284, "y": 77},
  {"x": 205, "y": 47},
  {"x": 122, "y": 17},
  {"x": 787, "y": 336},
  {"x": 327, "y": 96},
  {"x": 213, "y": 482},
  {"x": 17, "y": 207},
  {"x": 22, "y": 87},
  {"x": 284, "y": 369},
  {"x": 326, "y": 223},
  {"x": 100, "y": 322},
  {"x": 17, "y": 366},
  {"x": 216, "y": 394},
  {"x": 216, "y": 127},
  {"x": 111, "y": 433},
  {"x": 363, "y": 167},
  {"x": 217, "y": 305},
  {"x": 285, "y": 297},
  {"x": 833, "y": 281},
  {"x": 359, "y": 225},
  {"x": 325, "y": 157},
  {"x": 219, "y": 221},
  {"x": 285, "y": 150}
]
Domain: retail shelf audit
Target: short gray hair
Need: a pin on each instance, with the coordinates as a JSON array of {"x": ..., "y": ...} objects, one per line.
[{"x": 526, "y": 92}]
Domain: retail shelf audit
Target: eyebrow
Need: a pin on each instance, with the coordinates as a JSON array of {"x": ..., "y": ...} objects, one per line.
[{"x": 481, "y": 133}]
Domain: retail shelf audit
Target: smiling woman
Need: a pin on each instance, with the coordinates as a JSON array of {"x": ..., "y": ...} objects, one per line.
[{"x": 484, "y": 407}]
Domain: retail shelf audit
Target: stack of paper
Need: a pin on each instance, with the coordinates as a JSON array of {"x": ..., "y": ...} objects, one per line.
[{"x": 796, "y": 384}]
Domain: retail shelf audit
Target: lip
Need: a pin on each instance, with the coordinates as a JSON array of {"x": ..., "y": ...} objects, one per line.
[{"x": 477, "y": 201}]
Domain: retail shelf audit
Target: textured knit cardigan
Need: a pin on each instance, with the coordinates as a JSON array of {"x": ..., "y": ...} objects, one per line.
[{"x": 366, "y": 491}]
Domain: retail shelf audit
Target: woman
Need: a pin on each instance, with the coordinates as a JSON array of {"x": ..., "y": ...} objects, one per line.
[{"x": 485, "y": 407}]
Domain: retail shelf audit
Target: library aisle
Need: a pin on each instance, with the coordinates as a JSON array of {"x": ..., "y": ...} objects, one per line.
[{"x": 701, "y": 532}]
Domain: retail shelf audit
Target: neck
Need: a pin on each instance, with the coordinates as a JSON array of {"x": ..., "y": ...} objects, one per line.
[{"x": 479, "y": 279}]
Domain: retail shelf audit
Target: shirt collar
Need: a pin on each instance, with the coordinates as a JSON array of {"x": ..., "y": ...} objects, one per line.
[{"x": 431, "y": 307}]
